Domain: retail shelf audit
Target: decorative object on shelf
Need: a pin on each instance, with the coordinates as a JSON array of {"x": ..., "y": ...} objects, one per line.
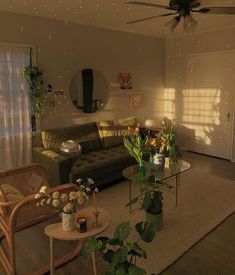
[
  {"x": 135, "y": 145},
  {"x": 136, "y": 101},
  {"x": 125, "y": 80},
  {"x": 70, "y": 148},
  {"x": 168, "y": 140},
  {"x": 82, "y": 224}
]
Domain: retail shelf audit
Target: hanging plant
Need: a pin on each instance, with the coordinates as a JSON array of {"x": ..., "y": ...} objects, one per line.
[{"x": 33, "y": 76}]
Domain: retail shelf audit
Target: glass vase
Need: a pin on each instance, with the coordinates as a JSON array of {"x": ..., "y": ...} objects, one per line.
[{"x": 142, "y": 169}]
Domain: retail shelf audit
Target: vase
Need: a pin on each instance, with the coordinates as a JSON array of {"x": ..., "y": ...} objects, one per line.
[
  {"x": 158, "y": 161},
  {"x": 68, "y": 221},
  {"x": 155, "y": 219},
  {"x": 142, "y": 169}
]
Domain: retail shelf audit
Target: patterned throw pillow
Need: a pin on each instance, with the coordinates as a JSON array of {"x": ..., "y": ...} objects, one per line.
[{"x": 112, "y": 131}]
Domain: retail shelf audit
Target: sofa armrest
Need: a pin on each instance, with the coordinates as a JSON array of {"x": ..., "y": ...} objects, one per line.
[{"x": 57, "y": 166}]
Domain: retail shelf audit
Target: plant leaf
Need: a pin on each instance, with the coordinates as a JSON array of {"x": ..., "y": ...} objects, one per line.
[
  {"x": 146, "y": 231},
  {"x": 135, "y": 270},
  {"x": 122, "y": 231}
]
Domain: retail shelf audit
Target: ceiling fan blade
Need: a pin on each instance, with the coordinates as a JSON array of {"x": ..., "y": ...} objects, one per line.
[
  {"x": 217, "y": 10},
  {"x": 148, "y": 5},
  {"x": 150, "y": 17}
]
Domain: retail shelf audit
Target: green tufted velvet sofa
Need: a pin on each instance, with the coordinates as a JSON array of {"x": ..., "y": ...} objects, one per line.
[{"x": 103, "y": 154}]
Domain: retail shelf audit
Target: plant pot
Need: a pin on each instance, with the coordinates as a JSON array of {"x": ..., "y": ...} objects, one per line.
[
  {"x": 155, "y": 219},
  {"x": 68, "y": 222}
]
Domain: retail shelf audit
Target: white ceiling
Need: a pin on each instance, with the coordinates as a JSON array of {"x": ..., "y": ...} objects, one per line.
[{"x": 113, "y": 14}]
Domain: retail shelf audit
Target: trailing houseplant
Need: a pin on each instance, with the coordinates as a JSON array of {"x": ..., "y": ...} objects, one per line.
[{"x": 33, "y": 76}]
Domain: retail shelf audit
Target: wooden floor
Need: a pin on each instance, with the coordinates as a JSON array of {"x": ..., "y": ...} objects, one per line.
[{"x": 213, "y": 255}]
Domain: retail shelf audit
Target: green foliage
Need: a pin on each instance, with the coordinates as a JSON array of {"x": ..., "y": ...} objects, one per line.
[
  {"x": 150, "y": 199},
  {"x": 168, "y": 140},
  {"x": 135, "y": 145},
  {"x": 119, "y": 252},
  {"x": 33, "y": 76}
]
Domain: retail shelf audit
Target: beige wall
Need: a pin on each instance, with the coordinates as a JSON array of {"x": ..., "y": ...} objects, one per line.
[
  {"x": 177, "y": 52},
  {"x": 64, "y": 48}
]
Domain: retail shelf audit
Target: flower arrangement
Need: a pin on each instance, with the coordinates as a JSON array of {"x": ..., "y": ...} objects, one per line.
[
  {"x": 168, "y": 140},
  {"x": 153, "y": 145},
  {"x": 135, "y": 144},
  {"x": 66, "y": 203}
]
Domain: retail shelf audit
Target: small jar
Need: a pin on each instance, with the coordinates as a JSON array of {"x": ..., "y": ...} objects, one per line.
[{"x": 82, "y": 224}]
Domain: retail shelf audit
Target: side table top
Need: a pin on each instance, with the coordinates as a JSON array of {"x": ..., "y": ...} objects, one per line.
[{"x": 55, "y": 230}]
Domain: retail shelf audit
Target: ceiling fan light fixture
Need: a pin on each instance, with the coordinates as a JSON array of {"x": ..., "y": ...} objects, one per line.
[
  {"x": 172, "y": 24},
  {"x": 190, "y": 23}
]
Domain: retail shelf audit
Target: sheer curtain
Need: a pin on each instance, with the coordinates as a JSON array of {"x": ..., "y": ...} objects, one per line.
[{"x": 15, "y": 123}]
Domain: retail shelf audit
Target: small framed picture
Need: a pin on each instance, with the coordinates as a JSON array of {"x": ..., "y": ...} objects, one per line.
[{"x": 136, "y": 101}]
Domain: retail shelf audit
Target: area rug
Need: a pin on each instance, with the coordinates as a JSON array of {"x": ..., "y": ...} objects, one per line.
[{"x": 204, "y": 202}]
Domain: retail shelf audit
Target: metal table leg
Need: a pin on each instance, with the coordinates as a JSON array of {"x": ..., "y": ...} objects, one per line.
[{"x": 177, "y": 184}]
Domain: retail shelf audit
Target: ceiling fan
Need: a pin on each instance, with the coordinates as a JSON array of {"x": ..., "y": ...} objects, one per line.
[{"x": 182, "y": 9}]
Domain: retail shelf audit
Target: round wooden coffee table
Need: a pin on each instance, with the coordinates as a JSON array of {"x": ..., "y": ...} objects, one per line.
[{"x": 55, "y": 231}]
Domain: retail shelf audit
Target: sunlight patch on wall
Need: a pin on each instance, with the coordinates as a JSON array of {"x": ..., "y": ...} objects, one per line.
[
  {"x": 169, "y": 103},
  {"x": 201, "y": 112}
]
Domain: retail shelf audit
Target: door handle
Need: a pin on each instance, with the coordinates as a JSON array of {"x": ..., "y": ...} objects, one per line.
[{"x": 228, "y": 116}]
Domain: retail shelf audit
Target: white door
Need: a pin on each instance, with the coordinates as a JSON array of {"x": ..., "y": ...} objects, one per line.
[{"x": 207, "y": 113}]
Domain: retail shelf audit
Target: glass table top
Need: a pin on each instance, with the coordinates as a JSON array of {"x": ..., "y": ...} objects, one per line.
[{"x": 175, "y": 169}]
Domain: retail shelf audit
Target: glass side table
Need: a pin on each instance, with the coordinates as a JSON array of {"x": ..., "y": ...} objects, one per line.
[{"x": 173, "y": 171}]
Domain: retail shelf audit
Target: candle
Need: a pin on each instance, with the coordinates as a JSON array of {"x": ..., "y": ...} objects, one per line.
[
  {"x": 94, "y": 202},
  {"x": 82, "y": 224}
]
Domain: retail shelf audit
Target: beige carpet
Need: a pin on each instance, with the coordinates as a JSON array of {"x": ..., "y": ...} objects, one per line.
[{"x": 204, "y": 202}]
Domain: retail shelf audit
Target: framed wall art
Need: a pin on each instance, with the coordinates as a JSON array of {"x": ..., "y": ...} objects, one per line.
[{"x": 136, "y": 101}]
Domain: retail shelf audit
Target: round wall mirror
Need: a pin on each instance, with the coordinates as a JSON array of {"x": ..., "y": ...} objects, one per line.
[{"x": 88, "y": 91}]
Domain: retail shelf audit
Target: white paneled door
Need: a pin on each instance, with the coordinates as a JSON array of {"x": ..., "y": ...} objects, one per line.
[{"x": 207, "y": 113}]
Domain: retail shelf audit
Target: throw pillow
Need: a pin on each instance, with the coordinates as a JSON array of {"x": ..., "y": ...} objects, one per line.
[
  {"x": 112, "y": 131},
  {"x": 11, "y": 193}
]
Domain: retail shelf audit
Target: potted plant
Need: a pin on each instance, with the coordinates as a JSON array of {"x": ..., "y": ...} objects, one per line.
[
  {"x": 169, "y": 145},
  {"x": 33, "y": 76},
  {"x": 136, "y": 145},
  {"x": 150, "y": 200},
  {"x": 121, "y": 253}
]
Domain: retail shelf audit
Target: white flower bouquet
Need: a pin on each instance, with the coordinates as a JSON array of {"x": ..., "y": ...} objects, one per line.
[{"x": 66, "y": 202}]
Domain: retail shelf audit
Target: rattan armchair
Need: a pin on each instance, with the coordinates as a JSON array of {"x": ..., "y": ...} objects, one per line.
[{"x": 19, "y": 213}]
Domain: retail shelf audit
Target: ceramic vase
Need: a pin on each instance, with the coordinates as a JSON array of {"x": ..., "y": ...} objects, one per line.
[
  {"x": 68, "y": 221},
  {"x": 158, "y": 161}
]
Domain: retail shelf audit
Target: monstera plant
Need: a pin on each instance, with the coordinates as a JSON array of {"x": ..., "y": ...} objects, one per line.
[{"x": 33, "y": 76}]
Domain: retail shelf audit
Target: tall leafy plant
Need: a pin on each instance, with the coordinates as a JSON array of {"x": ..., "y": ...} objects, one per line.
[
  {"x": 33, "y": 76},
  {"x": 120, "y": 253}
]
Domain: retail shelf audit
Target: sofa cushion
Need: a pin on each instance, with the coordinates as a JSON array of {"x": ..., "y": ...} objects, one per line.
[
  {"x": 97, "y": 164},
  {"x": 86, "y": 134},
  {"x": 112, "y": 131},
  {"x": 10, "y": 192}
]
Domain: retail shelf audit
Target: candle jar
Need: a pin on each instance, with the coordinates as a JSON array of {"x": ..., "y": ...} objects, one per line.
[{"x": 82, "y": 224}]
